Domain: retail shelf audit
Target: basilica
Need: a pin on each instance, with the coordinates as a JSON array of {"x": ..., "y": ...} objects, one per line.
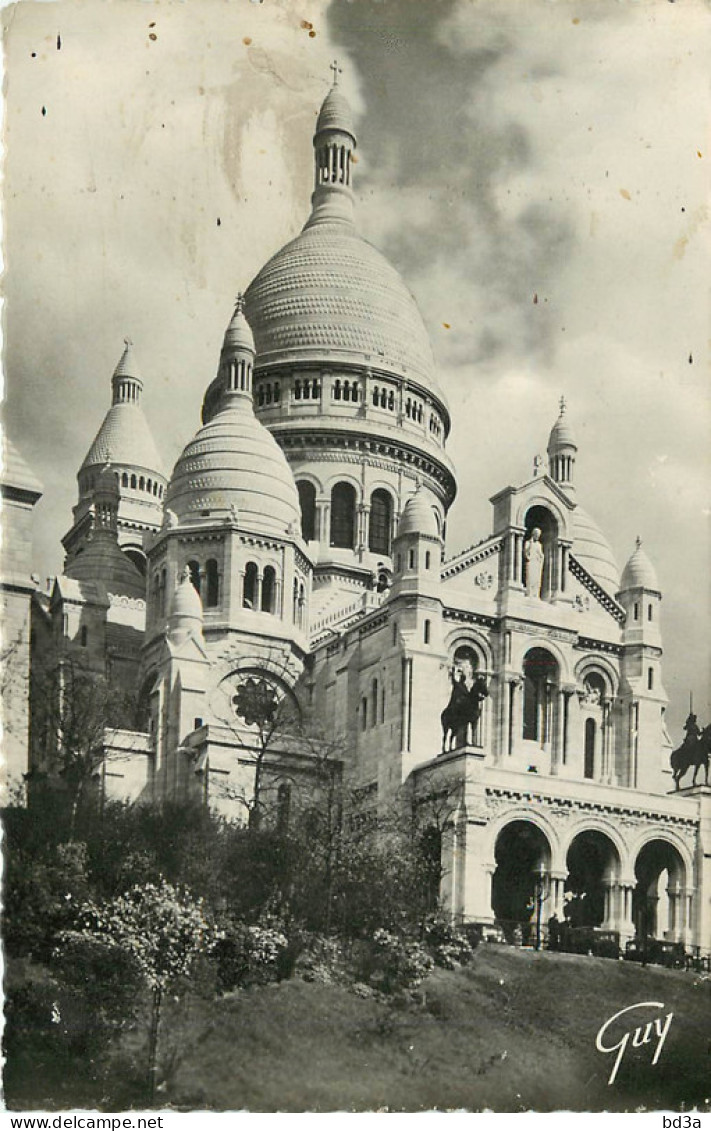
[{"x": 293, "y": 566}]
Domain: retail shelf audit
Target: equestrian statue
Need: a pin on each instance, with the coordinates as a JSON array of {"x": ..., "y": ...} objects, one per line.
[
  {"x": 461, "y": 715},
  {"x": 694, "y": 751}
]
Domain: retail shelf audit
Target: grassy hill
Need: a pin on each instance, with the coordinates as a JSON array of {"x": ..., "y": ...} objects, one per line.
[{"x": 512, "y": 1032}]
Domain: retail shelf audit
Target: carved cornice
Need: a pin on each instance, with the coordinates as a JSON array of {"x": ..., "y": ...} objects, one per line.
[
  {"x": 564, "y": 807},
  {"x": 471, "y": 557},
  {"x": 581, "y": 574},
  {"x": 465, "y": 617}
]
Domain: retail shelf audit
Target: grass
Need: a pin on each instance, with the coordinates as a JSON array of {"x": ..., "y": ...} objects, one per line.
[{"x": 514, "y": 1031}]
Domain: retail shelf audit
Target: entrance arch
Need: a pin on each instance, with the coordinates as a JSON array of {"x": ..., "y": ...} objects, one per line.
[
  {"x": 593, "y": 874},
  {"x": 660, "y": 907},
  {"x": 523, "y": 859}
]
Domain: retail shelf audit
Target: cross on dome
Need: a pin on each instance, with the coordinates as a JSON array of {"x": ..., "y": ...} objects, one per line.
[
  {"x": 239, "y": 303},
  {"x": 128, "y": 341},
  {"x": 638, "y": 541},
  {"x": 562, "y": 405},
  {"x": 336, "y": 71}
]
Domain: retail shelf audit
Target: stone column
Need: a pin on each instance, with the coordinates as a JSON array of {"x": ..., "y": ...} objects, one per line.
[
  {"x": 557, "y": 896},
  {"x": 278, "y": 597},
  {"x": 258, "y": 591},
  {"x": 625, "y": 924}
]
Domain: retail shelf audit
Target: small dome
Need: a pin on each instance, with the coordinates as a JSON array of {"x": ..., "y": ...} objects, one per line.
[
  {"x": 186, "y": 600},
  {"x": 639, "y": 573},
  {"x": 335, "y": 114},
  {"x": 233, "y": 464},
  {"x": 593, "y": 551},
  {"x": 561, "y": 433},
  {"x": 418, "y": 517},
  {"x": 238, "y": 335}
]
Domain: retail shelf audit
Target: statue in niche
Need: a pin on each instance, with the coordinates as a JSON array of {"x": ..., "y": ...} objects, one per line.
[{"x": 534, "y": 557}]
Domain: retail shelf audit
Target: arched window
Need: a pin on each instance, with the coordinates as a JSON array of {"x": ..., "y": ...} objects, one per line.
[
  {"x": 149, "y": 485},
  {"x": 343, "y": 509},
  {"x": 84, "y": 635},
  {"x": 428, "y": 558},
  {"x": 302, "y": 600},
  {"x": 374, "y": 703},
  {"x": 295, "y": 610},
  {"x": 337, "y": 390},
  {"x": 411, "y": 559},
  {"x": 381, "y": 509},
  {"x": 650, "y": 679},
  {"x": 124, "y": 479},
  {"x": 268, "y": 589},
  {"x": 307, "y": 502},
  {"x": 297, "y": 390},
  {"x": 155, "y": 488},
  {"x": 363, "y": 713},
  {"x": 650, "y": 613},
  {"x": 540, "y": 673},
  {"x": 141, "y": 484},
  {"x": 249, "y": 589},
  {"x": 163, "y": 583},
  {"x": 133, "y": 482},
  {"x": 635, "y": 611},
  {"x": 589, "y": 757},
  {"x": 375, "y": 397},
  {"x": 212, "y": 584},
  {"x": 276, "y": 391},
  {"x": 194, "y": 568},
  {"x": 427, "y": 632}
]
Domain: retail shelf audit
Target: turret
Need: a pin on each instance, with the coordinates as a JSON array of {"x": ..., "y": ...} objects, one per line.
[
  {"x": 233, "y": 383},
  {"x": 562, "y": 450},
  {"x": 125, "y": 446},
  {"x": 417, "y": 549},
  {"x": 334, "y": 144},
  {"x": 641, "y": 671}
]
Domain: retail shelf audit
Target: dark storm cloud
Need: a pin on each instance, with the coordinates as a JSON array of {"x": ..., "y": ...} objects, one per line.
[{"x": 445, "y": 145}]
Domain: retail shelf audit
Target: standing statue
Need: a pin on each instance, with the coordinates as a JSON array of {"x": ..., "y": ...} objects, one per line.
[
  {"x": 534, "y": 557},
  {"x": 694, "y": 751},
  {"x": 461, "y": 715}
]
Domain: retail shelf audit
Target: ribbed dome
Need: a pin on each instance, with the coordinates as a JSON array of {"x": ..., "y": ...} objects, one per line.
[
  {"x": 330, "y": 296},
  {"x": 418, "y": 517},
  {"x": 639, "y": 573},
  {"x": 593, "y": 551},
  {"x": 125, "y": 438},
  {"x": 233, "y": 462},
  {"x": 335, "y": 113},
  {"x": 102, "y": 561},
  {"x": 561, "y": 434},
  {"x": 238, "y": 335}
]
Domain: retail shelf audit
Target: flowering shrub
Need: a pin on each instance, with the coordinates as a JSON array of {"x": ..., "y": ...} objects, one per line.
[
  {"x": 249, "y": 955},
  {"x": 321, "y": 960},
  {"x": 449, "y": 948},
  {"x": 397, "y": 963},
  {"x": 163, "y": 930}
]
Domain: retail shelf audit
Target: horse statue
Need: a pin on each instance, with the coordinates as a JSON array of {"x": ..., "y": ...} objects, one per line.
[
  {"x": 694, "y": 751},
  {"x": 462, "y": 711}
]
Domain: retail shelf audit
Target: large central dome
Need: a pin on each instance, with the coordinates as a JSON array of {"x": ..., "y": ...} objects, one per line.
[{"x": 330, "y": 290}]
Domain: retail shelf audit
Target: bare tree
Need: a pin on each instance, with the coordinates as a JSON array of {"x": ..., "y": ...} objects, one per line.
[{"x": 73, "y": 712}]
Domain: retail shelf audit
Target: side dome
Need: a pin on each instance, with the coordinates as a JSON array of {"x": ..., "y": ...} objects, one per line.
[
  {"x": 330, "y": 295},
  {"x": 124, "y": 436},
  {"x": 186, "y": 603},
  {"x": 593, "y": 551},
  {"x": 234, "y": 465},
  {"x": 639, "y": 573}
]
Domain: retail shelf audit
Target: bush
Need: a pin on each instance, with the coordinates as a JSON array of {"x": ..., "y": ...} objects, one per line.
[
  {"x": 320, "y": 959},
  {"x": 391, "y": 963},
  {"x": 449, "y": 947},
  {"x": 248, "y": 955}
]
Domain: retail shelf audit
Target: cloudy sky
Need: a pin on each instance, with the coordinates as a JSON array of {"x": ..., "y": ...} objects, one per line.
[{"x": 537, "y": 170}]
